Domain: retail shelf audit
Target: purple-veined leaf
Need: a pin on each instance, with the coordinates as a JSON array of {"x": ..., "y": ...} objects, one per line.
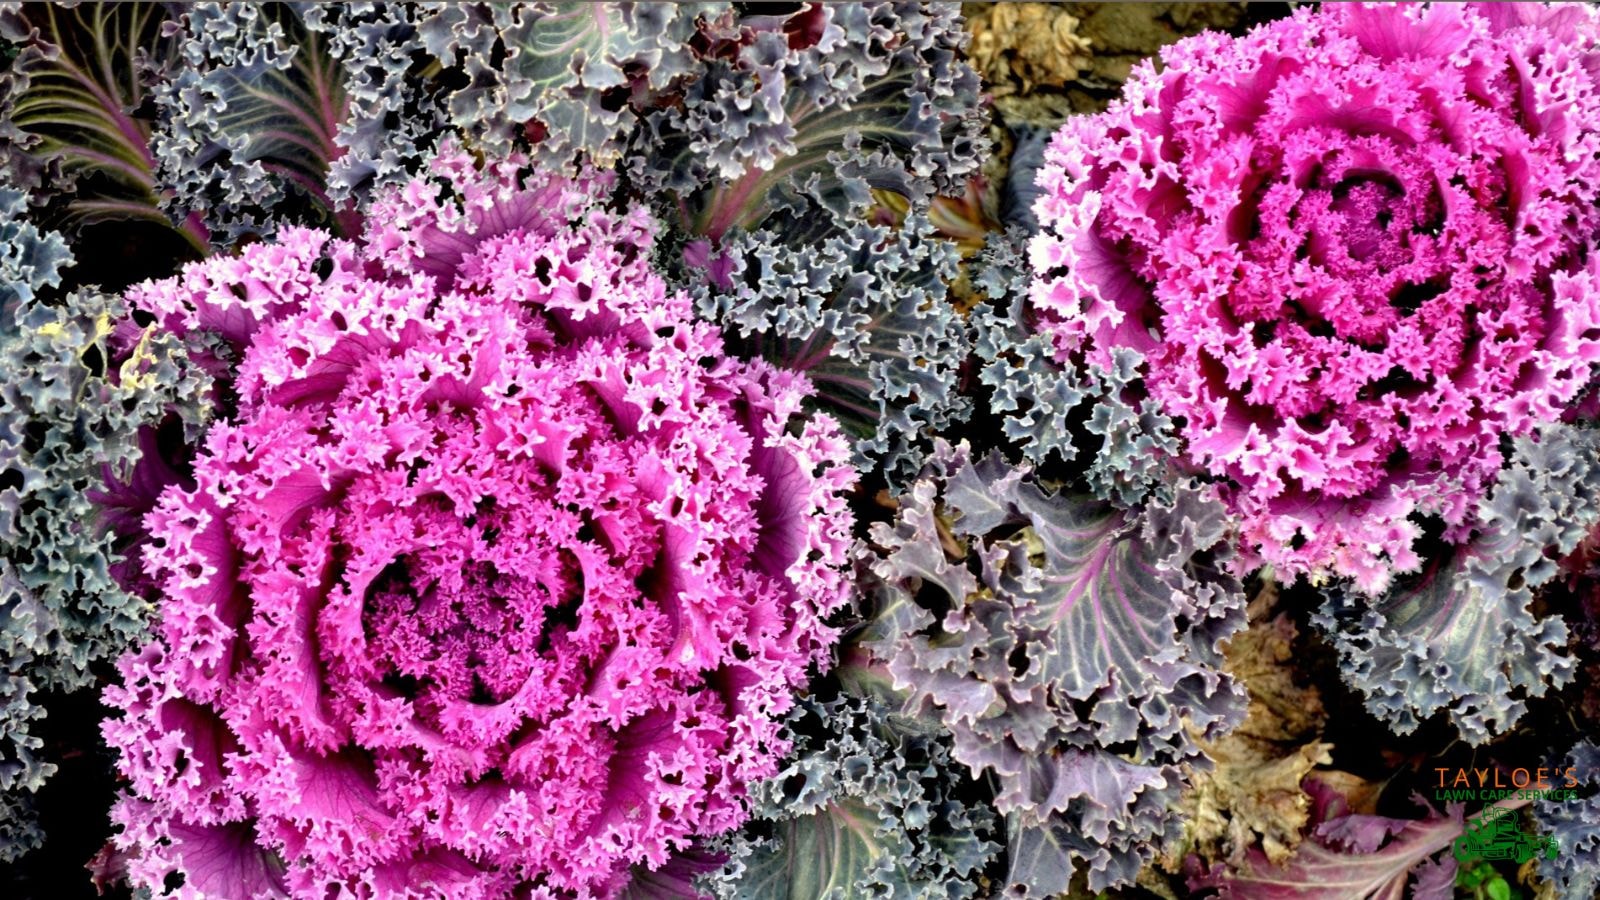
[
  {"x": 826, "y": 102},
  {"x": 1069, "y": 646},
  {"x": 822, "y": 855},
  {"x": 73, "y": 125},
  {"x": 571, "y": 69},
  {"x": 863, "y": 312},
  {"x": 249, "y": 123},
  {"x": 772, "y": 158},
  {"x": 1358, "y": 857}
]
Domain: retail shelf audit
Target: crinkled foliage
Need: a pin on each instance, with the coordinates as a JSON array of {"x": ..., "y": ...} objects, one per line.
[
  {"x": 393, "y": 115},
  {"x": 865, "y": 312},
  {"x": 248, "y": 118},
  {"x": 556, "y": 80},
  {"x": 568, "y": 70},
  {"x": 828, "y": 102},
  {"x": 1355, "y": 248},
  {"x": 683, "y": 96},
  {"x": 771, "y": 160},
  {"x": 1461, "y": 638},
  {"x": 1576, "y": 827},
  {"x": 764, "y": 133},
  {"x": 72, "y": 130},
  {"x": 869, "y": 806},
  {"x": 500, "y": 577},
  {"x": 1039, "y": 400},
  {"x": 1068, "y": 646},
  {"x": 31, "y": 259},
  {"x": 77, "y": 423}
]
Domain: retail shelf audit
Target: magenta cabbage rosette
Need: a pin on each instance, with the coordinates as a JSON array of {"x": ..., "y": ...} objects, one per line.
[
  {"x": 1354, "y": 250},
  {"x": 497, "y": 579}
]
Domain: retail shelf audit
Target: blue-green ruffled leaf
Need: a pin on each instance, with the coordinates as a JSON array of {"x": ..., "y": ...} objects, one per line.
[
  {"x": 248, "y": 122},
  {"x": 1070, "y": 647},
  {"x": 76, "y": 420},
  {"x": 31, "y": 259},
  {"x": 868, "y": 805},
  {"x": 568, "y": 71},
  {"x": 864, "y": 312},
  {"x": 1461, "y": 639},
  {"x": 1575, "y": 825}
]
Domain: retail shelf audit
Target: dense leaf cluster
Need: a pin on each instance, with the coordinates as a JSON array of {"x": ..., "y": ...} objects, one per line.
[{"x": 481, "y": 405}]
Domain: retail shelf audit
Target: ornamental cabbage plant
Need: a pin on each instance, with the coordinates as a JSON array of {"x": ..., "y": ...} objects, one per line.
[
  {"x": 498, "y": 574},
  {"x": 1356, "y": 249}
]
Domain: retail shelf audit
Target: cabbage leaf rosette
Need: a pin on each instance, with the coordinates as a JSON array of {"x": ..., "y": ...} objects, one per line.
[
  {"x": 1355, "y": 249},
  {"x": 496, "y": 574}
]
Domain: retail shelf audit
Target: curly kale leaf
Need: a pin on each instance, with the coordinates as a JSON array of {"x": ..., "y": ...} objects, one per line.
[
  {"x": 31, "y": 259},
  {"x": 1461, "y": 639},
  {"x": 859, "y": 95},
  {"x": 770, "y": 165},
  {"x": 869, "y": 805},
  {"x": 74, "y": 130},
  {"x": 247, "y": 124},
  {"x": 75, "y": 425},
  {"x": 567, "y": 69},
  {"x": 1038, "y": 399},
  {"x": 865, "y": 313},
  {"x": 1576, "y": 827},
  {"x": 1070, "y": 647},
  {"x": 394, "y": 112}
]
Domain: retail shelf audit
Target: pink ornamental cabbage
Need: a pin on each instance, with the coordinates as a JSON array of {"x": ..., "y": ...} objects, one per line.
[
  {"x": 497, "y": 579},
  {"x": 1354, "y": 248}
]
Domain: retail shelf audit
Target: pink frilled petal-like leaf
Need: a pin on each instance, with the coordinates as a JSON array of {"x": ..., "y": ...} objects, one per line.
[
  {"x": 197, "y": 862},
  {"x": 501, "y": 576},
  {"x": 1353, "y": 249}
]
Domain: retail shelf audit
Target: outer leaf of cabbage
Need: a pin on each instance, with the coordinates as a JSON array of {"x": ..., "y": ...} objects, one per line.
[
  {"x": 1069, "y": 647},
  {"x": 1461, "y": 640},
  {"x": 249, "y": 121},
  {"x": 868, "y": 806},
  {"x": 71, "y": 123}
]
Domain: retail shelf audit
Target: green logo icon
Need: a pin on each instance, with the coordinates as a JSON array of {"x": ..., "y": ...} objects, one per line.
[{"x": 1499, "y": 835}]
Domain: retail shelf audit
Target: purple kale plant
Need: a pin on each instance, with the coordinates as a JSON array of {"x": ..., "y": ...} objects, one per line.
[
  {"x": 1354, "y": 250},
  {"x": 498, "y": 578},
  {"x": 1351, "y": 258}
]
